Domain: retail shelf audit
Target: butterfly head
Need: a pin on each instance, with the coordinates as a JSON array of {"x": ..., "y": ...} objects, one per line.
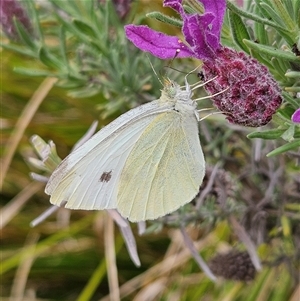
[{"x": 173, "y": 92}]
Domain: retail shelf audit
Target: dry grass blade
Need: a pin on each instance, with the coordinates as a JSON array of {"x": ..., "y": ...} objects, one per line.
[
  {"x": 208, "y": 187},
  {"x": 176, "y": 243},
  {"x": 15, "y": 205},
  {"x": 130, "y": 244},
  {"x": 243, "y": 236},
  {"x": 44, "y": 215},
  {"x": 91, "y": 131},
  {"x": 110, "y": 257},
  {"x": 19, "y": 283},
  {"x": 296, "y": 294},
  {"x": 166, "y": 266},
  {"x": 152, "y": 291},
  {"x": 23, "y": 122},
  {"x": 200, "y": 261}
]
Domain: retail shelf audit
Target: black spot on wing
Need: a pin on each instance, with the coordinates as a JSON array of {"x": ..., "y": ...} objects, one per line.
[{"x": 106, "y": 176}]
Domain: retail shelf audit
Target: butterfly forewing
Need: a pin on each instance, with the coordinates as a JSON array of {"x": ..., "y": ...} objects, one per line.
[
  {"x": 77, "y": 180},
  {"x": 164, "y": 169}
]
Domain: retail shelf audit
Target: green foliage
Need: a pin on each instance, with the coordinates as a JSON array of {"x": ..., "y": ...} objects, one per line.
[{"x": 82, "y": 43}]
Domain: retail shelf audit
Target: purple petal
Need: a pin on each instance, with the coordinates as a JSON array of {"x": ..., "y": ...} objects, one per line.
[
  {"x": 217, "y": 8},
  {"x": 196, "y": 32},
  {"x": 157, "y": 43},
  {"x": 175, "y": 4},
  {"x": 296, "y": 116},
  {"x": 202, "y": 32}
]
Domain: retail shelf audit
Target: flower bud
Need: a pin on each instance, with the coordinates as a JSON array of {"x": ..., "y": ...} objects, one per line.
[{"x": 233, "y": 265}]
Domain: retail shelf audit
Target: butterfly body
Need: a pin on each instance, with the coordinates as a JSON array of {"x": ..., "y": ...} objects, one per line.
[{"x": 146, "y": 163}]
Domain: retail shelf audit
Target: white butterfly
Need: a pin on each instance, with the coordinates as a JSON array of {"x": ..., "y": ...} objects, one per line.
[{"x": 146, "y": 163}]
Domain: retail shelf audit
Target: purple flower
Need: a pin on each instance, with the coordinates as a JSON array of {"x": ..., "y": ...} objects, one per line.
[
  {"x": 201, "y": 32},
  {"x": 250, "y": 94},
  {"x": 296, "y": 116}
]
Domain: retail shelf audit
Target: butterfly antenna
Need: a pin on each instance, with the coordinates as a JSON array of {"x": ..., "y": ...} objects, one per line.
[
  {"x": 171, "y": 62},
  {"x": 187, "y": 85},
  {"x": 152, "y": 67}
]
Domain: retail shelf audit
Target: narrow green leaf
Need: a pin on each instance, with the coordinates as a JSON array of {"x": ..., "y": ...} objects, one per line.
[
  {"x": 27, "y": 38},
  {"x": 261, "y": 279},
  {"x": 88, "y": 41},
  {"x": 253, "y": 16},
  {"x": 70, "y": 84},
  {"x": 196, "y": 6},
  {"x": 272, "y": 51},
  {"x": 239, "y": 30},
  {"x": 62, "y": 46},
  {"x": 267, "y": 135},
  {"x": 272, "y": 14},
  {"x": 284, "y": 15},
  {"x": 284, "y": 148},
  {"x": 84, "y": 28},
  {"x": 84, "y": 92},
  {"x": 278, "y": 67},
  {"x": 293, "y": 101},
  {"x": 107, "y": 8},
  {"x": 267, "y": 10},
  {"x": 18, "y": 49},
  {"x": 69, "y": 7},
  {"x": 112, "y": 107},
  {"x": 293, "y": 74},
  {"x": 297, "y": 13},
  {"x": 31, "y": 6},
  {"x": 285, "y": 113},
  {"x": 292, "y": 89},
  {"x": 261, "y": 58},
  {"x": 289, "y": 134},
  {"x": 293, "y": 207},
  {"x": 260, "y": 30},
  {"x": 98, "y": 275},
  {"x": 290, "y": 8},
  {"x": 165, "y": 19},
  {"x": 49, "y": 59},
  {"x": 34, "y": 72},
  {"x": 261, "y": 33}
]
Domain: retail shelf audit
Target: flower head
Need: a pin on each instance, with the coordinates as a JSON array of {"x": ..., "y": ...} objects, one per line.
[
  {"x": 251, "y": 96},
  {"x": 10, "y": 9}
]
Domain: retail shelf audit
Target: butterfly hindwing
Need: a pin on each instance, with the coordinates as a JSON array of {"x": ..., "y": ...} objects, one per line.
[{"x": 164, "y": 169}]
